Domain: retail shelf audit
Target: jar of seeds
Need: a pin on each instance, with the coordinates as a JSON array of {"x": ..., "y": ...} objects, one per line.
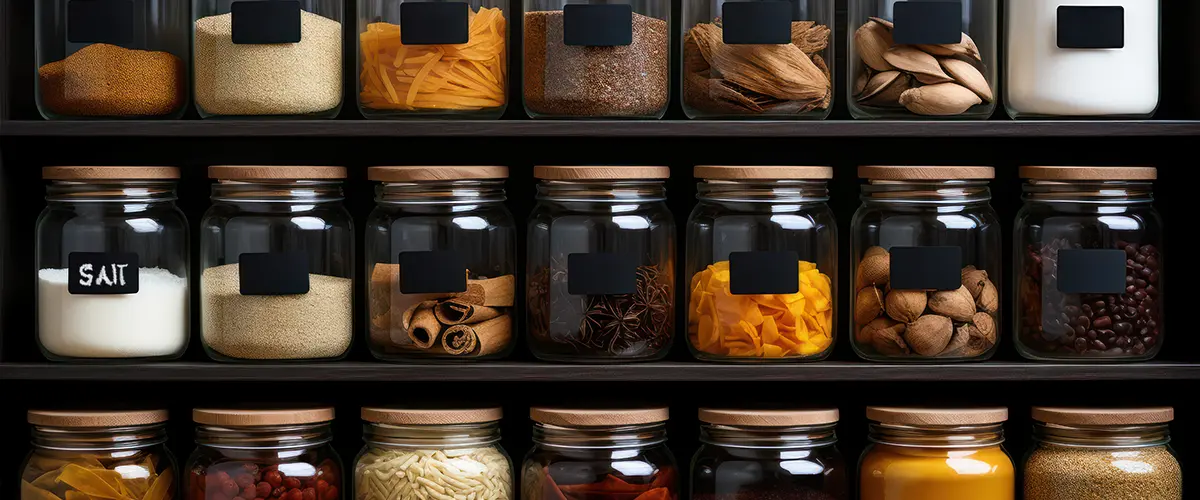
[{"x": 1102, "y": 454}]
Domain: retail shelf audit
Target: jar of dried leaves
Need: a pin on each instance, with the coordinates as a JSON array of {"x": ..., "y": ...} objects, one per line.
[
  {"x": 746, "y": 59},
  {"x": 601, "y": 265},
  {"x": 927, "y": 251}
]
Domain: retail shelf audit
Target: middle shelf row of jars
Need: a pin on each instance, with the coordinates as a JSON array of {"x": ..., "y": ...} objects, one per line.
[
  {"x": 741, "y": 59},
  {"x": 278, "y": 265}
]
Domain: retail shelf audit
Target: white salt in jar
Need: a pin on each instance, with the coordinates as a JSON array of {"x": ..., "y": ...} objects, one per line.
[
  {"x": 112, "y": 264},
  {"x": 1082, "y": 58}
]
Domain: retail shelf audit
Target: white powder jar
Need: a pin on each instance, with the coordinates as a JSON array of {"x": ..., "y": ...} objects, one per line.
[{"x": 1082, "y": 58}]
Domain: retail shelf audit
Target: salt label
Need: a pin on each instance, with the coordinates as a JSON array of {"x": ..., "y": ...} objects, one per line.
[{"x": 100, "y": 273}]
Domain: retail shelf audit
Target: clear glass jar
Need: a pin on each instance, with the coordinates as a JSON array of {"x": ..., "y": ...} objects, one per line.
[
  {"x": 600, "y": 282},
  {"x": 762, "y": 260},
  {"x": 599, "y": 454},
  {"x": 112, "y": 265},
  {"x": 454, "y": 59},
  {"x": 756, "y": 454},
  {"x": 1059, "y": 58},
  {"x": 105, "y": 59},
  {"x": 597, "y": 58},
  {"x": 725, "y": 42},
  {"x": 920, "y": 59},
  {"x": 442, "y": 257},
  {"x": 1088, "y": 263},
  {"x": 1115, "y": 454},
  {"x": 294, "y": 298},
  {"x": 430, "y": 453},
  {"x": 284, "y": 59},
  {"x": 919, "y": 454},
  {"x": 269, "y": 454},
  {"x": 926, "y": 248},
  {"x": 92, "y": 454}
]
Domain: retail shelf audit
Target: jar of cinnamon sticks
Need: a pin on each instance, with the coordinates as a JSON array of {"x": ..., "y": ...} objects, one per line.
[{"x": 441, "y": 257}]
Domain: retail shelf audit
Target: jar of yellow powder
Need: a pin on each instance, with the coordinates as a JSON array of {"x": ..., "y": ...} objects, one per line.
[
  {"x": 762, "y": 263},
  {"x": 936, "y": 454}
]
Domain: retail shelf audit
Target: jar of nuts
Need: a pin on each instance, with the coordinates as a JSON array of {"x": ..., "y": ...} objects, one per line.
[
  {"x": 1088, "y": 259},
  {"x": 926, "y": 252}
]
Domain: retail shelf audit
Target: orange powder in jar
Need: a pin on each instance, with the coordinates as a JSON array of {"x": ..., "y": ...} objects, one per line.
[{"x": 905, "y": 473}]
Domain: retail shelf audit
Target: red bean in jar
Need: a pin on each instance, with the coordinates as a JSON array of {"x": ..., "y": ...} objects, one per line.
[
  {"x": 1089, "y": 265},
  {"x": 263, "y": 455}
]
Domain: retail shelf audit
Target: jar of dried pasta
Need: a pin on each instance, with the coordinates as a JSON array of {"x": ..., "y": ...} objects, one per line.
[{"x": 412, "y": 453}]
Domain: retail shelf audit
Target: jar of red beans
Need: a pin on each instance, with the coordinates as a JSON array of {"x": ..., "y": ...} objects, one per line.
[
  {"x": 1089, "y": 264},
  {"x": 263, "y": 455}
]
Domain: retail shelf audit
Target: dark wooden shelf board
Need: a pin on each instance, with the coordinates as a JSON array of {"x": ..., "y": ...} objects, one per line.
[{"x": 547, "y": 372}]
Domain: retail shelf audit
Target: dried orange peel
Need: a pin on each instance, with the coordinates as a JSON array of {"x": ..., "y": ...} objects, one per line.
[
  {"x": 86, "y": 478},
  {"x": 765, "y": 326}
]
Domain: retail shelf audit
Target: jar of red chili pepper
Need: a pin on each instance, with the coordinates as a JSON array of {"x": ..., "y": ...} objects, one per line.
[
  {"x": 599, "y": 455},
  {"x": 767, "y": 454},
  {"x": 264, "y": 454},
  {"x": 1089, "y": 265}
]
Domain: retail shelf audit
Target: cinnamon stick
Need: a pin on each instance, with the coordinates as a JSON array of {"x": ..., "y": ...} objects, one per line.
[
  {"x": 479, "y": 339},
  {"x": 491, "y": 292},
  {"x": 388, "y": 327},
  {"x": 453, "y": 313},
  {"x": 422, "y": 325}
]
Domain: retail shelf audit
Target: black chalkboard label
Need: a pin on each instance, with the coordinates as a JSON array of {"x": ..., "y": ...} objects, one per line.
[
  {"x": 601, "y": 25},
  {"x": 434, "y": 23},
  {"x": 764, "y": 273},
  {"x": 601, "y": 273},
  {"x": 100, "y": 21},
  {"x": 1091, "y": 27},
  {"x": 99, "y": 273},
  {"x": 927, "y": 22},
  {"x": 275, "y": 273},
  {"x": 266, "y": 22},
  {"x": 437, "y": 271},
  {"x": 926, "y": 268},
  {"x": 1091, "y": 271},
  {"x": 747, "y": 23}
]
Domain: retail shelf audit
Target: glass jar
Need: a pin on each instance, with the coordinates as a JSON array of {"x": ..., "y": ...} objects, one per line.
[
  {"x": 269, "y": 454},
  {"x": 600, "y": 282},
  {"x": 599, "y": 455},
  {"x": 112, "y": 265},
  {"x": 453, "y": 58},
  {"x": 920, "y": 454},
  {"x": 762, "y": 260},
  {"x": 430, "y": 453},
  {"x": 757, "y": 59},
  {"x": 120, "y": 455},
  {"x": 759, "y": 454},
  {"x": 926, "y": 248},
  {"x": 1088, "y": 263},
  {"x": 277, "y": 59},
  {"x": 922, "y": 59},
  {"x": 105, "y": 59},
  {"x": 442, "y": 257},
  {"x": 1060, "y": 55},
  {"x": 610, "y": 61},
  {"x": 293, "y": 299},
  {"x": 1115, "y": 454}
]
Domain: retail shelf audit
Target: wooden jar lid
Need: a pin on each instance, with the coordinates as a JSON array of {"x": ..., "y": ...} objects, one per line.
[
  {"x": 769, "y": 418},
  {"x": 597, "y": 417},
  {"x": 1088, "y": 173},
  {"x": 75, "y": 173},
  {"x": 431, "y": 417},
  {"x": 74, "y": 419},
  {"x": 253, "y": 418},
  {"x": 275, "y": 172},
  {"x": 1103, "y": 416},
  {"x": 924, "y": 173},
  {"x": 763, "y": 172},
  {"x": 435, "y": 173},
  {"x": 600, "y": 173},
  {"x": 937, "y": 416}
]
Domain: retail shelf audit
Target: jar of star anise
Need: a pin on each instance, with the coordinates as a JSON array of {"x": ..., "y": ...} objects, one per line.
[{"x": 1089, "y": 265}]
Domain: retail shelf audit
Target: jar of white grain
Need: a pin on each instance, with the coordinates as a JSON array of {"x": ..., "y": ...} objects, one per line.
[
  {"x": 1094, "y": 58},
  {"x": 112, "y": 265}
]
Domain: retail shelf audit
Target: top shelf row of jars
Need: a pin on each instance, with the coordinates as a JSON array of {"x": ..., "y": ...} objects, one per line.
[{"x": 596, "y": 58}]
